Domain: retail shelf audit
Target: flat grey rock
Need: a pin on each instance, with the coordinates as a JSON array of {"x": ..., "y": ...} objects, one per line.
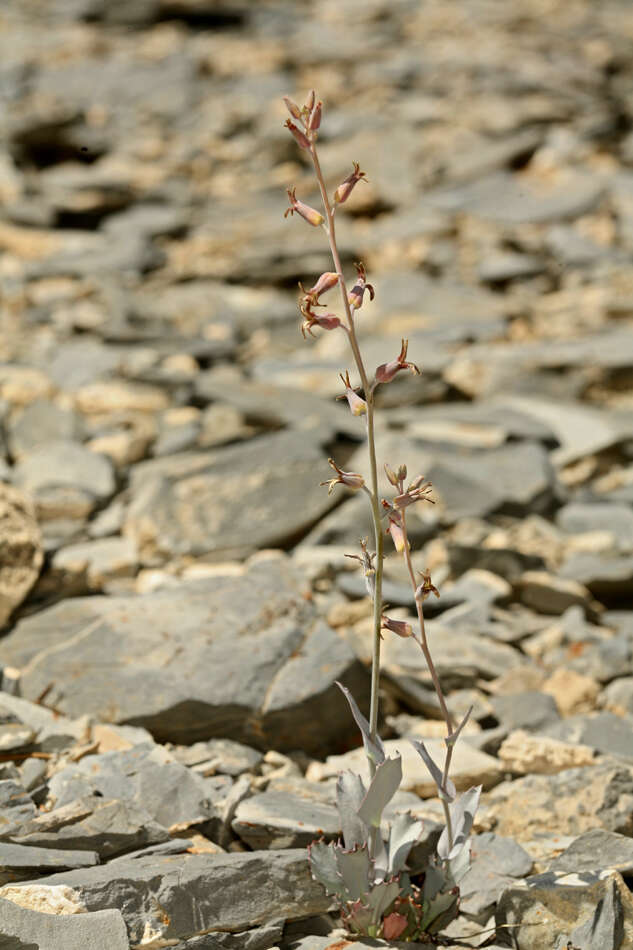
[
  {"x": 531, "y": 710},
  {"x": 604, "y": 576},
  {"x": 495, "y": 861},
  {"x": 276, "y": 819},
  {"x": 181, "y": 896},
  {"x": 108, "y": 826},
  {"x": 24, "y": 929},
  {"x": 147, "y": 776},
  {"x": 504, "y": 198},
  {"x": 20, "y": 862},
  {"x": 221, "y": 756},
  {"x": 244, "y": 658},
  {"x": 577, "y": 517},
  {"x": 62, "y": 474},
  {"x": 40, "y": 422},
  {"x": 596, "y": 850},
  {"x": 228, "y": 502},
  {"x": 16, "y": 806},
  {"x": 603, "y": 731}
]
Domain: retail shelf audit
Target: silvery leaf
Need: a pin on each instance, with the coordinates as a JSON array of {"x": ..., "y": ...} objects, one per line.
[
  {"x": 382, "y": 788},
  {"x": 404, "y": 832},
  {"x": 350, "y": 792},
  {"x": 381, "y": 859},
  {"x": 324, "y": 868},
  {"x": 447, "y": 794},
  {"x": 462, "y": 812},
  {"x": 354, "y": 868},
  {"x": 452, "y": 738},
  {"x": 373, "y": 747},
  {"x": 381, "y": 896}
]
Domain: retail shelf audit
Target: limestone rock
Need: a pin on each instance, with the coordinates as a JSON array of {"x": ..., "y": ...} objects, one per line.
[{"x": 21, "y": 545}]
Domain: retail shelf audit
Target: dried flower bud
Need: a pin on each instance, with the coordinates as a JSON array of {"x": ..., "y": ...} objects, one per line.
[
  {"x": 344, "y": 190},
  {"x": 419, "y": 492},
  {"x": 325, "y": 282},
  {"x": 292, "y": 108},
  {"x": 426, "y": 588},
  {"x": 356, "y": 294},
  {"x": 386, "y": 371},
  {"x": 315, "y": 117},
  {"x": 400, "y": 627},
  {"x": 391, "y": 475},
  {"x": 402, "y": 473},
  {"x": 367, "y": 561},
  {"x": 311, "y": 215},
  {"x": 302, "y": 140},
  {"x": 309, "y": 106},
  {"x": 350, "y": 479},
  {"x": 357, "y": 405},
  {"x": 394, "y": 528}
]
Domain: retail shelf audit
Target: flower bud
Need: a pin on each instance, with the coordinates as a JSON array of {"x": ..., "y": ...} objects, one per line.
[
  {"x": 394, "y": 528},
  {"x": 400, "y": 627},
  {"x": 302, "y": 140},
  {"x": 327, "y": 321},
  {"x": 309, "y": 106},
  {"x": 311, "y": 215},
  {"x": 357, "y": 405},
  {"x": 325, "y": 282},
  {"x": 315, "y": 117},
  {"x": 344, "y": 190},
  {"x": 292, "y": 108},
  {"x": 391, "y": 475},
  {"x": 402, "y": 473}
]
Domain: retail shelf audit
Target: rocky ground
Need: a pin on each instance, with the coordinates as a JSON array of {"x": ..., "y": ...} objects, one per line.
[{"x": 174, "y": 597}]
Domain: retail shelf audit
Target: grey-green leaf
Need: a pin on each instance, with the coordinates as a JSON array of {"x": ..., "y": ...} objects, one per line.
[
  {"x": 381, "y": 896},
  {"x": 373, "y": 746},
  {"x": 462, "y": 812},
  {"x": 448, "y": 793},
  {"x": 405, "y": 831},
  {"x": 325, "y": 869},
  {"x": 452, "y": 738},
  {"x": 354, "y": 868},
  {"x": 350, "y": 792},
  {"x": 382, "y": 788}
]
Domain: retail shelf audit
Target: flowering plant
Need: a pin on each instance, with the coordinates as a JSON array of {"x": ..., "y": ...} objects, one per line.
[{"x": 367, "y": 869}]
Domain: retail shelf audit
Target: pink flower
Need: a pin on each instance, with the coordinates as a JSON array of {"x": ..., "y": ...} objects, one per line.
[
  {"x": 350, "y": 479},
  {"x": 344, "y": 190},
  {"x": 400, "y": 627},
  {"x": 386, "y": 371},
  {"x": 302, "y": 140},
  {"x": 357, "y": 405},
  {"x": 311, "y": 215},
  {"x": 426, "y": 588},
  {"x": 356, "y": 294}
]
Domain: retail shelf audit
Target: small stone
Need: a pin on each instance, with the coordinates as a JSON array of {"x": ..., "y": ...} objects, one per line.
[
  {"x": 616, "y": 519},
  {"x": 19, "y": 862},
  {"x": 573, "y": 692},
  {"x": 276, "y": 819},
  {"x": 104, "y": 930},
  {"x": 22, "y": 385},
  {"x": 602, "y": 731},
  {"x": 66, "y": 479},
  {"x": 549, "y": 594},
  {"x": 41, "y": 421},
  {"x": 53, "y": 899},
  {"x": 522, "y": 753},
  {"x": 117, "y": 396},
  {"x": 603, "y": 576},
  {"x": 596, "y": 850},
  {"x": 531, "y": 710},
  {"x": 21, "y": 545},
  {"x": 98, "y": 563}
]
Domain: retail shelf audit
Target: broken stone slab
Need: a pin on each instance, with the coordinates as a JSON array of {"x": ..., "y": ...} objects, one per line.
[
  {"x": 261, "y": 938},
  {"x": 221, "y": 756},
  {"x": 495, "y": 861},
  {"x": 530, "y": 710},
  {"x": 13, "y": 733},
  {"x": 108, "y": 826},
  {"x": 228, "y": 502},
  {"x": 596, "y": 850},
  {"x": 526, "y": 754},
  {"x": 22, "y": 553},
  {"x": 568, "y": 803},
  {"x": 549, "y": 594},
  {"x": 606, "y": 577},
  {"x": 589, "y": 910},
  {"x": 16, "y": 806},
  {"x": 65, "y": 479},
  {"x": 244, "y": 657},
  {"x": 577, "y": 517},
  {"x": 177, "y": 897},
  {"x": 147, "y": 776},
  {"x": 469, "y": 766},
  {"x": 276, "y": 819},
  {"x": 18, "y": 862},
  {"x": 24, "y": 929},
  {"x": 602, "y": 731}
]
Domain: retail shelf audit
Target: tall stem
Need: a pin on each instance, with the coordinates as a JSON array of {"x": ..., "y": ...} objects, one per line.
[
  {"x": 371, "y": 446},
  {"x": 424, "y": 646}
]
